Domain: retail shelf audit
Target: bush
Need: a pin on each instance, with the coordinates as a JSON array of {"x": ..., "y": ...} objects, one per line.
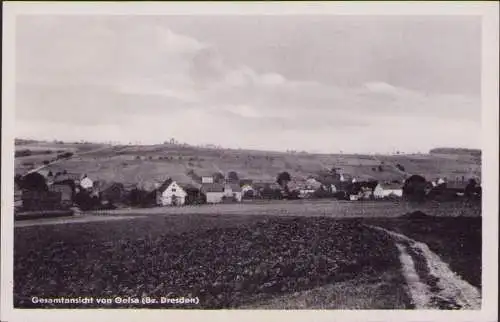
[{"x": 85, "y": 201}]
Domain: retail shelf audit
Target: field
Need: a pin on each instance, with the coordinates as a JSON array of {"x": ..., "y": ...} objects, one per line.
[
  {"x": 272, "y": 254},
  {"x": 242, "y": 258},
  {"x": 145, "y": 165}
]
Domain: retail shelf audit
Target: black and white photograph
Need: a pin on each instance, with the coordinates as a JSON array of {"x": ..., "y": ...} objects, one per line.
[{"x": 174, "y": 161}]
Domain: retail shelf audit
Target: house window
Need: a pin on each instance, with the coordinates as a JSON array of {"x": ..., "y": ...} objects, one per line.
[{"x": 174, "y": 190}]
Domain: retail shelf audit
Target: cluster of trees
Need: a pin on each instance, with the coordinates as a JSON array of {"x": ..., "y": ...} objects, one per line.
[
  {"x": 417, "y": 188},
  {"x": 31, "y": 182}
]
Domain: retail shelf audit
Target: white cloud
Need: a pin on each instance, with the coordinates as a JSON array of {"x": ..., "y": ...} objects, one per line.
[{"x": 118, "y": 80}]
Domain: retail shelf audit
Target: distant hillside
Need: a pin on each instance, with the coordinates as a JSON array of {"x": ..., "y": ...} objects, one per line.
[
  {"x": 456, "y": 151},
  {"x": 149, "y": 164}
]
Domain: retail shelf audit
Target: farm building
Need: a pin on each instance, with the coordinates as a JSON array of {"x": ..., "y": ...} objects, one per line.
[
  {"x": 66, "y": 191},
  {"x": 306, "y": 192},
  {"x": 383, "y": 190},
  {"x": 214, "y": 192},
  {"x": 233, "y": 190},
  {"x": 170, "y": 193},
  {"x": 112, "y": 192},
  {"x": 207, "y": 179},
  {"x": 362, "y": 189},
  {"x": 353, "y": 197}
]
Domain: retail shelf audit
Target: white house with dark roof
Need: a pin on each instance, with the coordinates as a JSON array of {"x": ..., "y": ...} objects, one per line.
[
  {"x": 383, "y": 190},
  {"x": 233, "y": 190},
  {"x": 214, "y": 192},
  {"x": 170, "y": 193}
]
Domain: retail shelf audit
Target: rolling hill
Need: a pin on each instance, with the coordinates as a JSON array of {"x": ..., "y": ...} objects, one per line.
[{"x": 149, "y": 164}]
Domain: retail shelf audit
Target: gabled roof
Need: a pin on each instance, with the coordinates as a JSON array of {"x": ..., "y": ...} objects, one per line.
[
  {"x": 234, "y": 187},
  {"x": 165, "y": 185},
  {"x": 212, "y": 187},
  {"x": 391, "y": 186},
  {"x": 188, "y": 187}
]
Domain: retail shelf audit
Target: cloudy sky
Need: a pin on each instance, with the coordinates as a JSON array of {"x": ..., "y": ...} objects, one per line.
[{"x": 315, "y": 83}]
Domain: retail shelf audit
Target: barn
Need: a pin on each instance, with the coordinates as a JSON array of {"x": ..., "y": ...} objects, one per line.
[{"x": 65, "y": 190}]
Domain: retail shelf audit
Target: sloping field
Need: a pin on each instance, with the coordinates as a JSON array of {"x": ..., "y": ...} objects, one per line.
[{"x": 156, "y": 162}]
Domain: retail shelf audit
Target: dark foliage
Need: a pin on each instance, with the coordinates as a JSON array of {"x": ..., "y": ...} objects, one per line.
[
  {"x": 414, "y": 188},
  {"x": 34, "y": 182},
  {"x": 142, "y": 198},
  {"x": 283, "y": 178},
  {"x": 233, "y": 177},
  {"x": 85, "y": 201},
  {"x": 218, "y": 177}
]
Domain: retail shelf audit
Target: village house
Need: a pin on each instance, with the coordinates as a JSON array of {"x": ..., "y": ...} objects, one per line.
[
  {"x": 112, "y": 193},
  {"x": 387, "y": 189},
  {"x": 170, "y": 193},
  {"x": 214, "y": 192},
  {"x": 362, "y": 190},
  {"x": 65, "y": 190},
  {"x": 233, "y": 190},
  {"x": 305, "y": 191},
  {"x": 207, "y": 179}
]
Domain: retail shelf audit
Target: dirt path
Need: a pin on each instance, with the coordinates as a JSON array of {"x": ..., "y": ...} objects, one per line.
[{"x": 431, "y": 283}]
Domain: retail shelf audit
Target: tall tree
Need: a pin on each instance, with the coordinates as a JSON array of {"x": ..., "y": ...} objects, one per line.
[
  {"x": 34, "y": 181},
  {"x": 233, "y": 177},
  {"x": 283, "y": 179},
  {"x": 414, "y": 188},
  {"x": 218, "y": 177}
]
